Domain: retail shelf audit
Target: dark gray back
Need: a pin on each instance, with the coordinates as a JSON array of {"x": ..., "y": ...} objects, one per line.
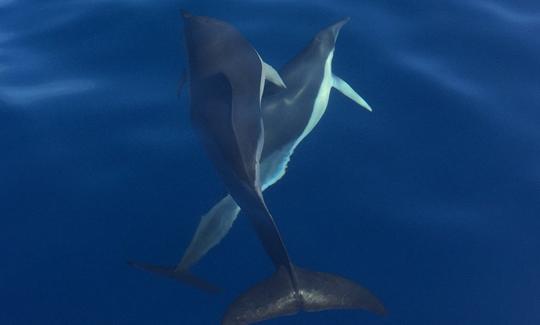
[
  {"x": 225, "y": 106},
  {"x": 225, "y": 74}
]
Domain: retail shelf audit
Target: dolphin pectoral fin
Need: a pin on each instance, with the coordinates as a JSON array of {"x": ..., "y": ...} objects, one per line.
[
  {"x": 182, "y": 276},
  {"x": 212, "y": 228},
  {"x": 316, "y": 291},
  {"x": 347, "y": 90},
  {"x": 272, "y": 75}
]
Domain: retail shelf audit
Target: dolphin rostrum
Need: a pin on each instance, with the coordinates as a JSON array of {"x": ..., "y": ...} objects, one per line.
[
  {"x": 227, "y": 79},
  {"x": 289, "y": 115}
]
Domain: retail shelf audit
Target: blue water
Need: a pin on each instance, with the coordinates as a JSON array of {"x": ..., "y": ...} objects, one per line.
[{"x": 432, "y": 201}]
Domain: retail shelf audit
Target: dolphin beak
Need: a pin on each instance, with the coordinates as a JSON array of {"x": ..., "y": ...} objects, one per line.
[{"x": 335, "y": 28}]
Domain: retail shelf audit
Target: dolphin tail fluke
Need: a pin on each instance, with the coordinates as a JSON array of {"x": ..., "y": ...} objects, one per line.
[
  {"x": 180, "y": 275},
  {"x": 315, "y": 291}
]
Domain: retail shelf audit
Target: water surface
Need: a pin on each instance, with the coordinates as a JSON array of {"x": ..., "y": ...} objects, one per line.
[{"x": 431, "y": 201}]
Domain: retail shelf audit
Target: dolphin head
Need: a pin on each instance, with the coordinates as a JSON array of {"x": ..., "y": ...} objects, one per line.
[
  {"x": 191, "y": 19},
  {"x": 198, "y": 24},
  {"x": 205, "y": 38},
  {"x": 206, "y": 29},
  {"x": 326, "y": 38}
]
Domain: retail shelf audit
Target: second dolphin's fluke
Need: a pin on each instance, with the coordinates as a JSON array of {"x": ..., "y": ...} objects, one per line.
[{"x": 180, "y": 275}]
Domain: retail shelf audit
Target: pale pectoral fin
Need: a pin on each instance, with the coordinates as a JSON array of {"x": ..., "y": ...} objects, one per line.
[
  {"x": 212, "y": 228},
  {"x": 347, "y": 90},
  {"x": 272, "y": 75}
]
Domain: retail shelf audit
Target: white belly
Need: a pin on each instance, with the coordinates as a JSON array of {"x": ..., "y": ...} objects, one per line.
[{"x": 321, "y": 101}]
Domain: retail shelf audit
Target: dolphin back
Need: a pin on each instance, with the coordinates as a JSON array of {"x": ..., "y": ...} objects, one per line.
[{"x": 317, "y": 291}]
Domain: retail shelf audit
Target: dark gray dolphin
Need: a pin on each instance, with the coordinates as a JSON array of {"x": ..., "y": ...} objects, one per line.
[
  {"x": 289, "y": 115},
  {"x": 227, "y": 78}
]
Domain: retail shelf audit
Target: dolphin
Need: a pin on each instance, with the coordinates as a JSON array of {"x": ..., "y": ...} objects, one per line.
[
  {"x": 227, "y": 78},
  {"x": 226, "y": 110},
  {"x": 289, "y": 115}
]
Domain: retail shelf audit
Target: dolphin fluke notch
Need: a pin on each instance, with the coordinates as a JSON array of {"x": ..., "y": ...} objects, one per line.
[
  {"x": 174, "y": 273},
  {"x": 316, "y": 291}
]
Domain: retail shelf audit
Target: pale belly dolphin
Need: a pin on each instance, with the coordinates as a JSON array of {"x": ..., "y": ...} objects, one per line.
[{"x": 289, "y": 115}]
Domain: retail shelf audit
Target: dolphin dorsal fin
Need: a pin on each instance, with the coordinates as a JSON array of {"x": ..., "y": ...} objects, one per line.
[
  {"x": 347, "y": 90},
  {"x": 272, "y": 75}
]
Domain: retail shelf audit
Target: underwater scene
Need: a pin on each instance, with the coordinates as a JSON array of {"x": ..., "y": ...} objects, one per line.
[{"x": 274, "y": 162}]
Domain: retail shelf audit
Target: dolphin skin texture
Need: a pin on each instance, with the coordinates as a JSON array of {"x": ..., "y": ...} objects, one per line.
[{"x": 227, "y": 78}]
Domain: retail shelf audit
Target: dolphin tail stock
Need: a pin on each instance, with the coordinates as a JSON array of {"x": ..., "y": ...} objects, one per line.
[
  {"x": 316, "y": 291},
  {"x": 181, "y": 275},
  {"x": 343, "y": 87}
]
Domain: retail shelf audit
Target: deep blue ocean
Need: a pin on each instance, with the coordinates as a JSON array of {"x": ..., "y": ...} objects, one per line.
[{"x": 432, "y": 201}]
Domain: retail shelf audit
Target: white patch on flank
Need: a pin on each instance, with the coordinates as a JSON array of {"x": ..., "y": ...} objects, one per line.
[
  {"x": 274, "y": 166},
  {"x": 263, "y": 78},
  {"x": 321, "y": 102}
]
